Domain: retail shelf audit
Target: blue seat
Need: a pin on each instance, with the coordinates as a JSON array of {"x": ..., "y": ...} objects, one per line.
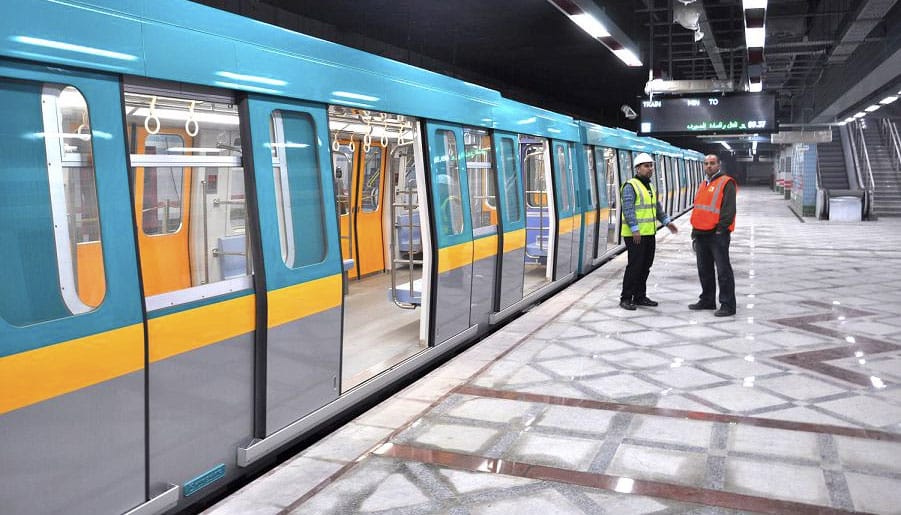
[{"x": 408, "y": 241}]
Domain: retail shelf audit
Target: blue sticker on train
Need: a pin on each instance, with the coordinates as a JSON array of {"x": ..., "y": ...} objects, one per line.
[{"x": 211, "y": 476}]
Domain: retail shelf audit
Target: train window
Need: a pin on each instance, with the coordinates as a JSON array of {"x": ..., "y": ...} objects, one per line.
[
  {"x": 512, "y": 188},
  {"x": 600, "y": 170},
  {"x": 301, "y": 212},
  {"x": 448, "y": 185},
  {"x": 51, "y": 259},
  {"x": 625, "y": 166},
  {"x": 342, "y": 166},
  {"x": 592, "y": 179},
  {"x": 372, "y": 184},
  {"x": 536, "y": 182},
  {"x": 566, "y": 185},
  {"x": 189, "y": 193},
  {"x": 162, "y": 188},
  {"x": 480, "y": 176}
]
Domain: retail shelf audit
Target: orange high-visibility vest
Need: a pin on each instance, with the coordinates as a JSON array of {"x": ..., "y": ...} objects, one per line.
[{"x": 708, "y": 201}]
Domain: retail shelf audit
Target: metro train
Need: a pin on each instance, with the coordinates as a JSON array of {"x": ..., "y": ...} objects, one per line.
[{"x": 218, "y": 236}]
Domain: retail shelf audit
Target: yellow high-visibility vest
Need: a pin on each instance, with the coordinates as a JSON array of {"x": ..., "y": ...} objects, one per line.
[{"x": 645, "y": 209}]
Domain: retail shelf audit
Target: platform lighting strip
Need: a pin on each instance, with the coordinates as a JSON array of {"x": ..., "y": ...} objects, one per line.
[
  {"x": 755, "y": 39},
  {"x": 871, "y": 108},
  {"x": 594, "y": 25}
]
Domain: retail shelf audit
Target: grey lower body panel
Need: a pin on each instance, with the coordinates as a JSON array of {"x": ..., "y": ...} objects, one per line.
[
  {"x": 201, "y": 407},
  {"x": 530, "y": 299},
  {"x": 79, "y": 453},
  {"x": 512, "y": 274},
  {"x": 483, "y": 282},
  {"x": 247, "y": 455},
  {"x": 303, "y": 363},
  {"x": 453, "y": 301},
  {"x": 564, "y": 254}
]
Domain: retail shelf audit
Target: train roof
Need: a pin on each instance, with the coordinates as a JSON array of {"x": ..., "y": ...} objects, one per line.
[{"x": 182, "y": 41}]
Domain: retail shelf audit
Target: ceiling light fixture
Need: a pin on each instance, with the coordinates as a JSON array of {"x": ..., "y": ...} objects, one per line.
[
  {"x": 723, "y": 143},
  {"x": 870, "y": 109},
  {"x": 593, "y": 20},
  {"x": 888, "y": 100}
]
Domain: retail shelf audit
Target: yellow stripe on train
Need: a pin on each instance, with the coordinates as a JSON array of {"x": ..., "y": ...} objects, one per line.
[
  {"x": 305, "y": 299},
  {"x": 514, "y": 240},
  {"x": 484, "y": 247},
  {"x": 455, "y": 256},
  {"x": 185, "y": 331},
  {"x": 31, "y": 377}
]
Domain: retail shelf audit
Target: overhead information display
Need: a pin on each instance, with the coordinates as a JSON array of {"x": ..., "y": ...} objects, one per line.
[{"x": 709, "y": 114}]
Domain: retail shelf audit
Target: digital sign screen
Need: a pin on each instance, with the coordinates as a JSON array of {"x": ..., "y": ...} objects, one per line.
[{"x": 709, "y": 114}]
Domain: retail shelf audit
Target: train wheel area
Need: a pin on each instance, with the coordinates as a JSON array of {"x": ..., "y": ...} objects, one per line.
[{"x": 578, "y": 406}]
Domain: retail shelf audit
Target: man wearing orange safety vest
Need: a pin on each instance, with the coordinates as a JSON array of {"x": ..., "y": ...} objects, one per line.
[{"x": 712, "y": 222}]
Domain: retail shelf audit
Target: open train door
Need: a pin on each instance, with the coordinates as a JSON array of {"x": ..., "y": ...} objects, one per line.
[
  {"x": 298, "y": 350},
  {"x": 511, "y": 266},
  {"x": 452, "y": 291}
]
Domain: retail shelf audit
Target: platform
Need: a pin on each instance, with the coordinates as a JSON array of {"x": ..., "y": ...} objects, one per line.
[{"x": 792, "y": 406}]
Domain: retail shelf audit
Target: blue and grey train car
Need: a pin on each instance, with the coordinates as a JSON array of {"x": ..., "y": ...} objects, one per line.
[{"x": 208, "y": 254}]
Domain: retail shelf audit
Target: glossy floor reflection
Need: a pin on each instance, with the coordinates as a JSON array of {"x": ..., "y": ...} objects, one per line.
[{"x": 791, "y": 406}]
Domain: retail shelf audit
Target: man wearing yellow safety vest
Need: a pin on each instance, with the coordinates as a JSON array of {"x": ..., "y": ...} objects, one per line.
[
  {"x": 712, "y": 222},
  {"x": 641, "y": 210}
]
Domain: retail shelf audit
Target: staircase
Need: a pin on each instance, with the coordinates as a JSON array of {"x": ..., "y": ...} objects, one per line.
[
  {"x": 831, "y": 164},
  {"x": 887, "y": 196}
]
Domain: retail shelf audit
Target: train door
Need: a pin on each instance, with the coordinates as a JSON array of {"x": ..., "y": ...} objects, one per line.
[
  {"x": 541, "y": 226},
  {"x": 590, "y": 209},
  {"x": 193, "y": 238},
  {"x": 565, "y": 204},
  {"x": 71, "y": 332},
  {"x": 512, "y": 218},
  {"x": 659, "y": 179},
  {"x": 481, "y": 182},
  {"x": 604, "y": 200},
  {"x": 378, "y": 181},
  {"x": 613, "y": 195},
  {"x": 298, "y": 360},
  {"x": 359, "y": 177},
  {"x": 672, "y": 189},
  {"x": 625, "y": 173},
  {"x": 162, "y": 196},
  {"x": 452, "y": 291}
]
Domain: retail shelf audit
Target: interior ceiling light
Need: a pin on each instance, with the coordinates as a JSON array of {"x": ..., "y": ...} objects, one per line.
[
  {"x": 756, "y": 85},
  {"x": 849, "y": 119},
  {"x": 888, "y": 100},
  {"x": 874, "y": 107},
  {"x": 625, "y": 55},
  {"x": 860, "y": 115},
  {"x": 723, "y": 143},
  {"x": 753, "y": 4}
]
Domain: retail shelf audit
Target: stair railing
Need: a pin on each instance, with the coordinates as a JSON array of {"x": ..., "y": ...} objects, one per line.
[
  {"x": 862, "y": 164},
  {"x": 890, "y": 131}
]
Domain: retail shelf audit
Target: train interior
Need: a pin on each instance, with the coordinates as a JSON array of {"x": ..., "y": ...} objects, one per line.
[
  {"x": 185, "y": 152},
  {"x": 540, "y": 222},
  {"x": 377, "y": 195}
]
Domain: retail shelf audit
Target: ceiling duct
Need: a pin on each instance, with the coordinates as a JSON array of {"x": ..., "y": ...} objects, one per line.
[{"x": 688, "y": 86}]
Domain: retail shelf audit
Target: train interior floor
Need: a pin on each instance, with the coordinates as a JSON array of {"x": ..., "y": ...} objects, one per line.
[
  {"x": 577, "y": 406},
  {"x": 377, "y": 333}
]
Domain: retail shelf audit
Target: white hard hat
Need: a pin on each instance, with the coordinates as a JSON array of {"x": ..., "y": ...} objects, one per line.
[{"x": 643, "y": 158}]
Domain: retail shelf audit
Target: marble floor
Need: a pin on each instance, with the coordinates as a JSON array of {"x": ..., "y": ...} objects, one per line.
[{"x": 791, "y": 406}]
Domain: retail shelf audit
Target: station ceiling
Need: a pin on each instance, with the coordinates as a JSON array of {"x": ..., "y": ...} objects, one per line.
[{"x": 823, "y": 59}]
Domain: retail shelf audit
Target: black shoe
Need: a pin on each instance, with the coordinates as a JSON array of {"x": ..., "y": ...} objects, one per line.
[
  {"x": 627, "y": 304},
  {"x": 700, "y": 305},
  {"x": 646, "y": 302},
  {"x": 724, "y": 312}
]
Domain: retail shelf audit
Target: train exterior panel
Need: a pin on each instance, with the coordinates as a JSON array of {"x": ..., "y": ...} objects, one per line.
[{"x": 177, "y": 284}]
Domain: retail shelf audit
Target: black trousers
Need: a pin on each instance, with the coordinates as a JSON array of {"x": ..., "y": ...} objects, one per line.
[
  {"x": 641, "y": 257},
  {"x": 712, "y": 250}
]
